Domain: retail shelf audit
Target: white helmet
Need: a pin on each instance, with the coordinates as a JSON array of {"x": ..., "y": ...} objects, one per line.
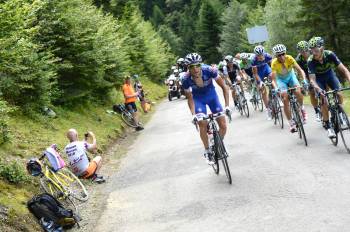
[
  {"x": 259, "y": 50},
  {"x": 244, "y": 56},
  {"x": 279, "y": 49}
]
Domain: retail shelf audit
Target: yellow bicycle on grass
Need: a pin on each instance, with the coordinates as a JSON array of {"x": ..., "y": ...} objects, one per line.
[{"x": 62, "y": 183}]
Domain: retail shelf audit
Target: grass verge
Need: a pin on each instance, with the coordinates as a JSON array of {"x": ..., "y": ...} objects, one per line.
[{"x": 29, "y": 137}]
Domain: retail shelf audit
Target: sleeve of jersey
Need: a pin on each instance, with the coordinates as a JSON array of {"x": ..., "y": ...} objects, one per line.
[
  {"x": 185, "y": 84},
  {"x": 214, "y": 73},
  {"x": 335, "y": 59},
  {"x": 273, "y": 65}
]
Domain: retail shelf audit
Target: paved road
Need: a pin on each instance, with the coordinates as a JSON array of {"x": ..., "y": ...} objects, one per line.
[{"x": 278, "y": 184}]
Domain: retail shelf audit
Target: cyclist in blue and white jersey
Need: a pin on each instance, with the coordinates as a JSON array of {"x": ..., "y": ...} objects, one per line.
[
  {"x": 200, "y": 92},
  {"x": 261, "y": 65}
]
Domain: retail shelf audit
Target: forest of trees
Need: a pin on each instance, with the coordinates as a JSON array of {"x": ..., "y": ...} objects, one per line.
[
  {"x": 67, "y": 51},
  {"x": 217, "y": 27}
]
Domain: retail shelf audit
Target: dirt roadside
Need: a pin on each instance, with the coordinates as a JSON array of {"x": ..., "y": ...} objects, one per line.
[{"x": 91, "y": 210}]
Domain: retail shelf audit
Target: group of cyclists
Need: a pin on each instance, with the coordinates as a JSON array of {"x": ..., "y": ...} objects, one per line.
[{"x": 314, "y": 67}]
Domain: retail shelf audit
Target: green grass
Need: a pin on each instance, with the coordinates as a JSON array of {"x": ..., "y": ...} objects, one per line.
[{"x": 29, "y": 137}]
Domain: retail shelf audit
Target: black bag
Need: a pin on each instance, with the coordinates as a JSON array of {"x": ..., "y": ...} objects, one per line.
[
  {"x": 51, "y": 213},
  {"x": 119, "y": 108}
]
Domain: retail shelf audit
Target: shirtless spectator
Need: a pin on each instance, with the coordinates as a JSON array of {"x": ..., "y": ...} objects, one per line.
[{"x": 77, "y": 156}]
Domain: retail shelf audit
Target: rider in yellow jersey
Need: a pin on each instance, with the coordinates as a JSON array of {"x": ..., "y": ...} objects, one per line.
[{"x": 283, "y": 73}]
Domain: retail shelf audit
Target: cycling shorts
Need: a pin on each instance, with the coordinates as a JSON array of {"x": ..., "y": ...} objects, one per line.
[
  {"x": 131, "y": 106},
  {"x": 328, "y": 80},
  {"x": 249, "y": 71},
  {"x": 201, "y": 102},
  {"x": 264, "y": 71},
  {"x": 290, "y": 80}
]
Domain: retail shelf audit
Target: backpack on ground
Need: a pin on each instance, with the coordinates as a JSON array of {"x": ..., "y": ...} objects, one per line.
[{"x": 50, "y": 213}]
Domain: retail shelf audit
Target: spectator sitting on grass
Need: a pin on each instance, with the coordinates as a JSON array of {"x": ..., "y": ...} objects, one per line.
[{"x": 78, "y": 159}]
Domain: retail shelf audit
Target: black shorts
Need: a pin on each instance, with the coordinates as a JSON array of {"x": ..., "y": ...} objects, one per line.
[{"x": 131, "y": 106}]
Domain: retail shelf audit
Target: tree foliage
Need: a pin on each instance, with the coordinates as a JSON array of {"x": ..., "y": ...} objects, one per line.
[{"x": 232, "y": 18}]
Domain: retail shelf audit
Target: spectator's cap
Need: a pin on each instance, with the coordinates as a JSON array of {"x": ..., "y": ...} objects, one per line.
[{"x": 135, "y": 76}]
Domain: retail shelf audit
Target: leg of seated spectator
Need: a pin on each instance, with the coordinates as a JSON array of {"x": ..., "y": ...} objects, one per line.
[{"x": 98, "y": 160}]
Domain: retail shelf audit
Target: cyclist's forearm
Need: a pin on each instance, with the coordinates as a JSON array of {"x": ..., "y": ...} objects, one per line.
[{"x": 190, "y": 103}]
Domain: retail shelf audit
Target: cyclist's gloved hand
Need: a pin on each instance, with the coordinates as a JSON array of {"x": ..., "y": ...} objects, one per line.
[
  {"x": 305, "y": 84},
  {"x": 194, "y": 119}
]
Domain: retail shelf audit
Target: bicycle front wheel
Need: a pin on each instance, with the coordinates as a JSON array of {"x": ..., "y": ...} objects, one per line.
[
  {"x": 222, "y": 154},
  {"x": 72, "y": 184},
  {"x": 278, "y": 113},
  {"x": 344, "y": 128},
  {"x": 245, "y": 107},
  {"x": 50, "y": 186},
  {"x": 300, "y": 124},
  {"x": 259, "y": 100},
  {"x": 334, "y": 123},
  {"x": 129, "y": 119}
]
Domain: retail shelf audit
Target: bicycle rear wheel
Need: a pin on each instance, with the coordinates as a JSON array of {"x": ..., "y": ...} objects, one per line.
[
  {"x": 129, "y": 119},
  {"x": 344, "y": 125},
  {"x": 222, "y": 154},
  {"x": 72, "y": 184}
]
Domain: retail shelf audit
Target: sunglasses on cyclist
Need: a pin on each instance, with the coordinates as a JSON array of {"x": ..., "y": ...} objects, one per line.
[
  {"x": 194, "y": 65},
  {"x": 282, "y": 54}
]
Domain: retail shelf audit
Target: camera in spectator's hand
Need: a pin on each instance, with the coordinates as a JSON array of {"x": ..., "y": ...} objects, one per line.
[{"x": 86, "y": 135}]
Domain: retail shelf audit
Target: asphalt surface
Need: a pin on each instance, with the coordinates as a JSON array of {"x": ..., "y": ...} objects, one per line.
[{"x": 278, "y": 184}]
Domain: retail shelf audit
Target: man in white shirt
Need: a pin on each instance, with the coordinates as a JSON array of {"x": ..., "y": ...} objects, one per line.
[{"x": 78, "y": 159}]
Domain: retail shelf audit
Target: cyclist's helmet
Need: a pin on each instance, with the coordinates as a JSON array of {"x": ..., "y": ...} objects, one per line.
[
  {"x": 229, "y": 58},
  {"x": 193, "y": 58},
  {"x": 279, "y": 49},
  {"x": 34, "y": 167},
  {"x": 244, "y": 56},
  {"x": 316, "y": 42},
  {"x": 302, "y": 46},
  {"x": 180, "y": 61},
  {"x": 259, "y": 50}
]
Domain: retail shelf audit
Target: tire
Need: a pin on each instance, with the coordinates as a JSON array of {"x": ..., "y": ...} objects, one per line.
[
  {"x": 49, "y": 187},
  {"x": 334, "y": 121},
  {"x": 300, "y": 125},
  {"x": 279, "y": 113},
  {"x": 222, "y": 154},
  {"x": 344, "y": 130},
  {"x": 73, "y": 185},
  {"x": 240, "y": 108},
  {"x": 253, "y": 100},
  {"x": 170, "y": 97},
  {"x": 215, "y": 166},
  {"x": 128, "y": 119},
  {"x": 245, "y": 106},
  {"x": 259, "y": 99}
]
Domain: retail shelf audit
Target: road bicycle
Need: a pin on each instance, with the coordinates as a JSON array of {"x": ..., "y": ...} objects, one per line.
[
  {"x": 297, "y": 115},
  {"x": 256, "y": 96},
  {"x": 242, "y": 104},
  {"x": 339, "y": 120},
  {"x": 127, "y": 116},
  {"x": 274, "y": 104},
  {"x": 217, "y": 145},
  {"x": 62, "y": 184}
]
